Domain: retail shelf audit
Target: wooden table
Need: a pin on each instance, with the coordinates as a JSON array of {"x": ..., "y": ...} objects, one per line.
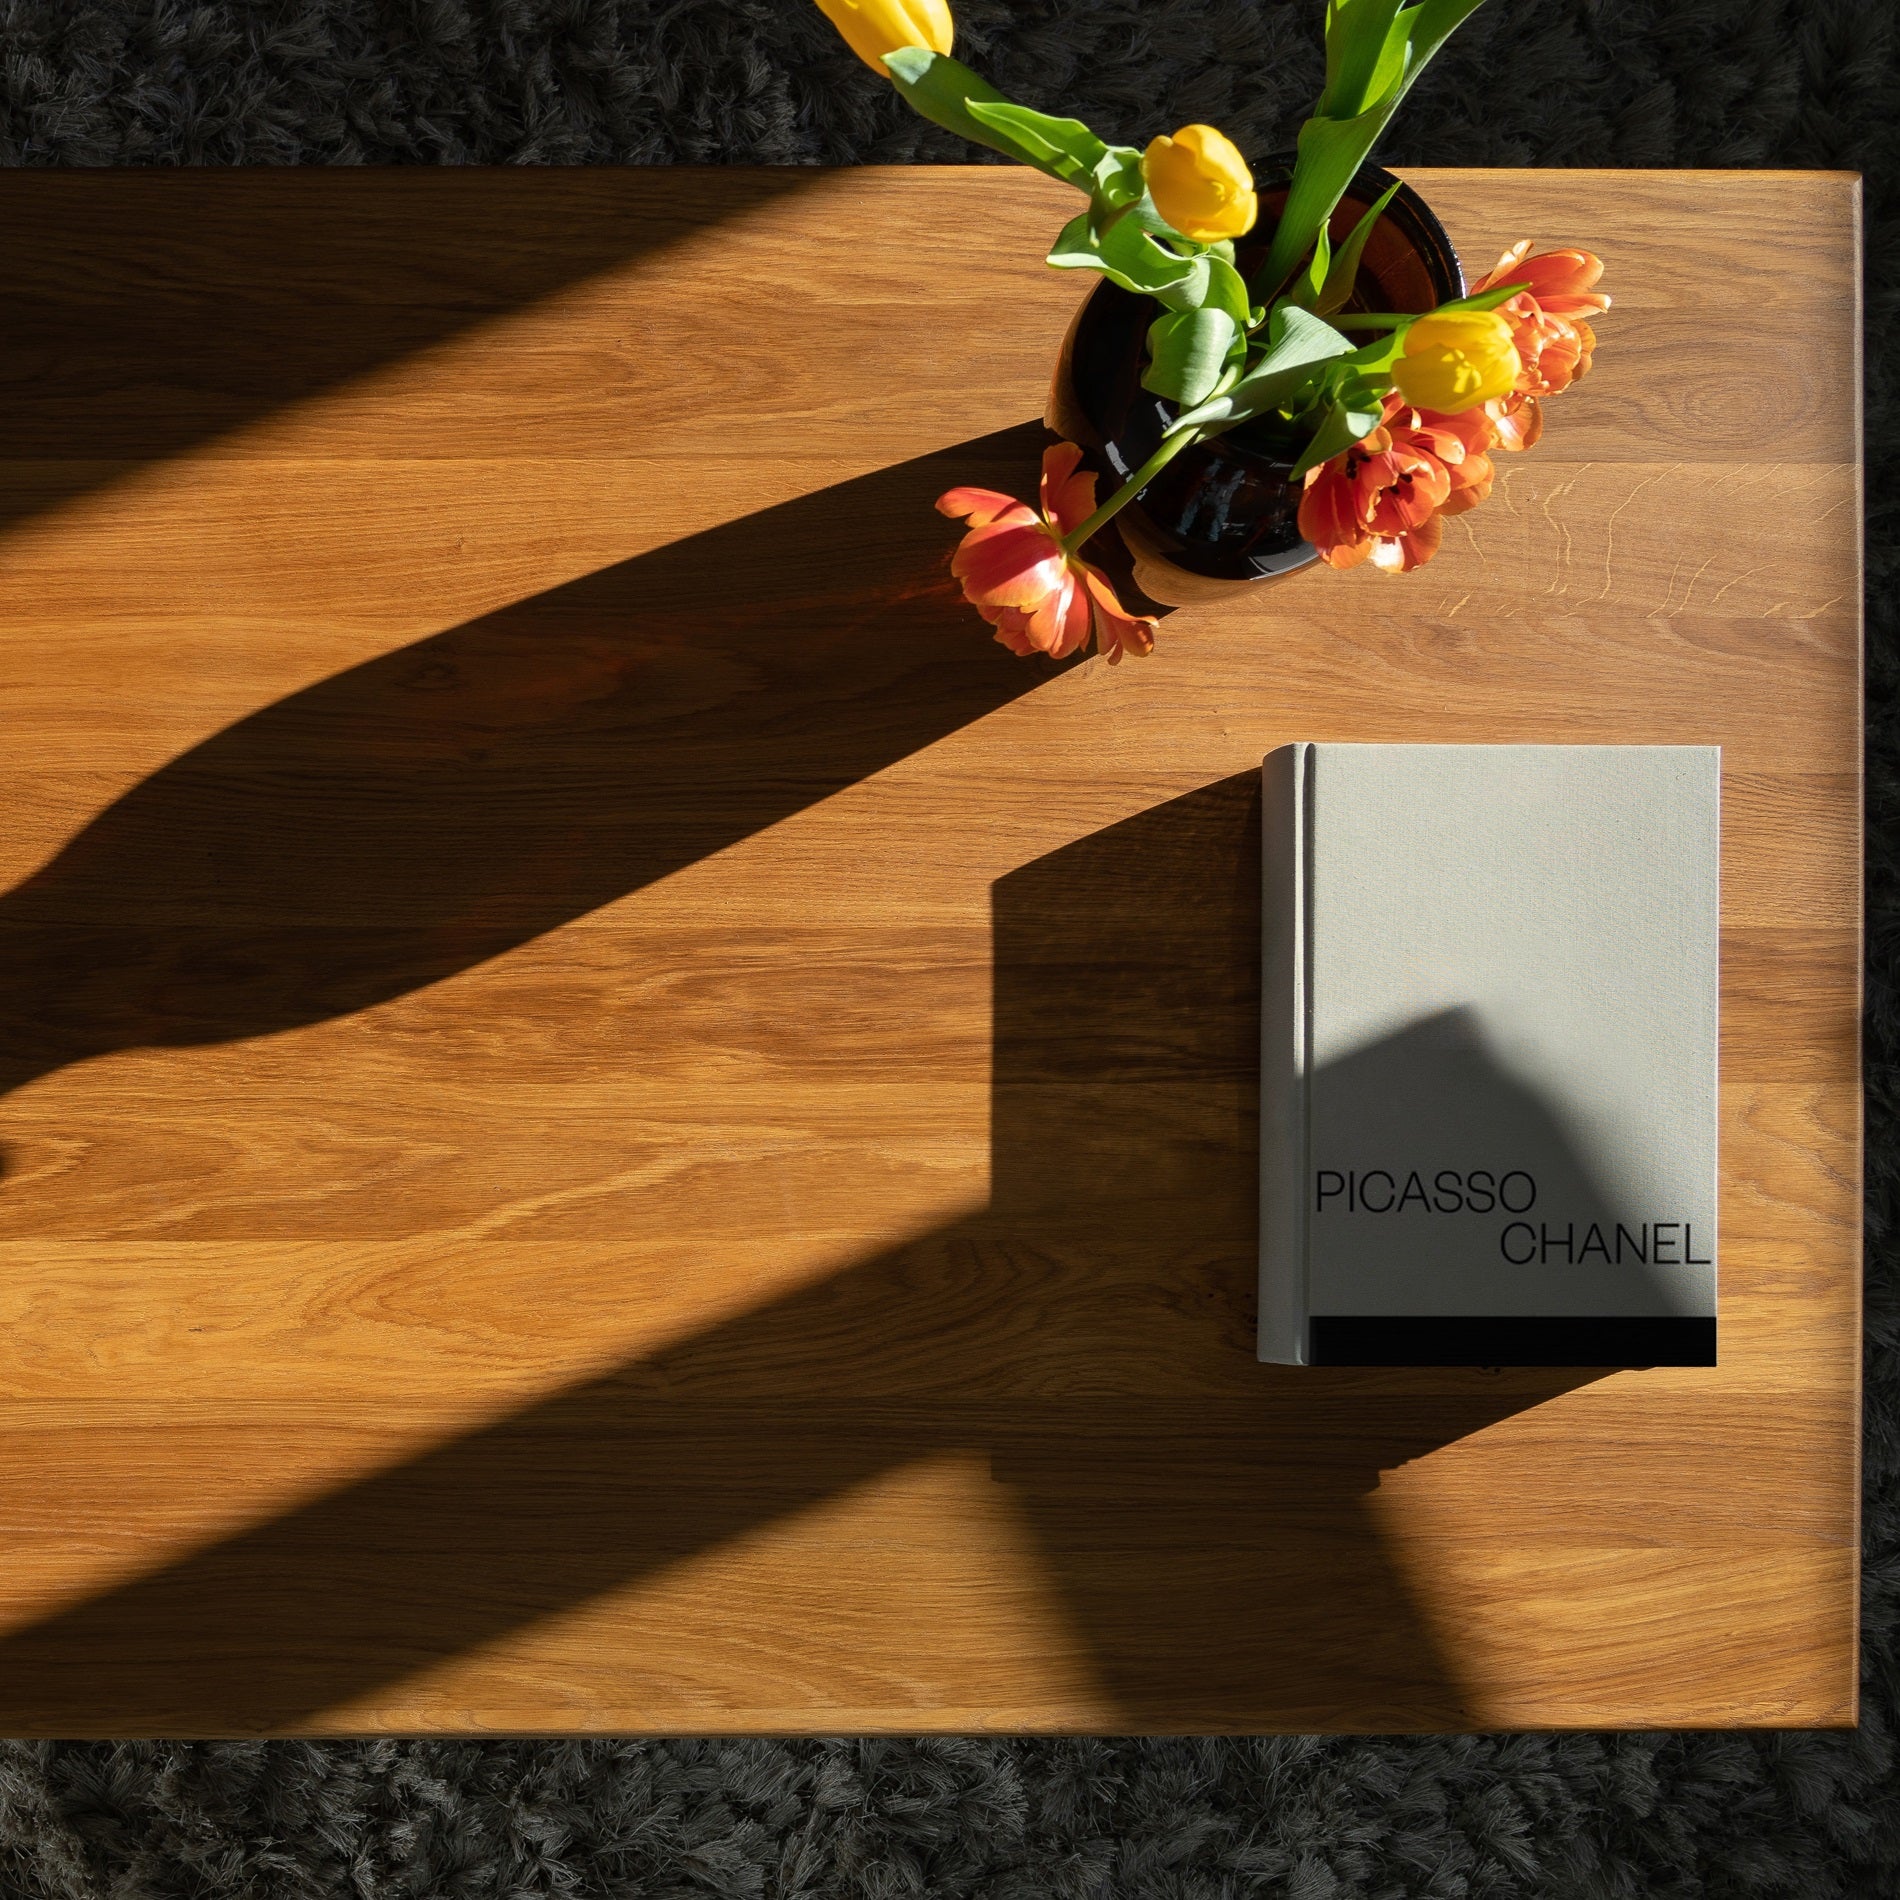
[{"x": 616, "y": 1122}]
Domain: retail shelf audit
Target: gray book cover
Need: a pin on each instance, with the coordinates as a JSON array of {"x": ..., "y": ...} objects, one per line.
[{"x": 1488, "y": 1063}]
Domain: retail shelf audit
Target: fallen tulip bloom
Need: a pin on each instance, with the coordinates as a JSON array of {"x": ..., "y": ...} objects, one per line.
[{"x": 1018, "y": 573}]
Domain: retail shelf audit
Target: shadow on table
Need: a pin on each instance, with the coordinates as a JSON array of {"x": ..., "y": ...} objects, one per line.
[
  {"x": 148, "y": 313},
  {"x": 1090, "y": 1331},
  {"x": 436, "y": 806},
  {"x": 1205, "y": 1518}
]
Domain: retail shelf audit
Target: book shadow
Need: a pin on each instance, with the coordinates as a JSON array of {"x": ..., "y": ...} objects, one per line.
[{"x": 1210, "y": 1524}]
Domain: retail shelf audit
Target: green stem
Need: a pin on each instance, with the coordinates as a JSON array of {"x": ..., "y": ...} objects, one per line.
[{"x": 1171, "y": 446}]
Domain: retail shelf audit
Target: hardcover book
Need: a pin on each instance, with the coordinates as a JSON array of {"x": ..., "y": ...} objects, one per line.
[{"x": 1488, "y": 1063}]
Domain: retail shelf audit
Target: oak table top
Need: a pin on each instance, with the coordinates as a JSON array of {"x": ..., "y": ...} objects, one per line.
[{"x": 614, "y": 1121}]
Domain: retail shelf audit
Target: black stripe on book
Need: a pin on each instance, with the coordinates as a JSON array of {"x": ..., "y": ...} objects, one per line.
[{"x": 1440, "y": 1340}]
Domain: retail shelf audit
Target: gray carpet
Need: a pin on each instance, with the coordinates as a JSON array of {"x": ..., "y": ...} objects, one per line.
[{"x": 1551, "y": 82}]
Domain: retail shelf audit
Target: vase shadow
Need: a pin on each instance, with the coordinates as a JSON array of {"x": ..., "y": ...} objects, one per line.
[
  {"x": 1442, "y": 1073},
  {"x": 434, "y": 807}
]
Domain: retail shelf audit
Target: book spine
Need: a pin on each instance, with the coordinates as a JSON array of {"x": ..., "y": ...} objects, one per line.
[{"x": 1286, "y": 790}]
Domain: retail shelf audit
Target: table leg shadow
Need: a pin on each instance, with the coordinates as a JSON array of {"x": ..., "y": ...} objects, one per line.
[
  {"x": 151, "y": 313},
  {"x": 1205, "y": 1518}
]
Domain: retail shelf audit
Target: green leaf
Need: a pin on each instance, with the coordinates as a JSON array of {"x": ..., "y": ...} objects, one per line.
[
  {"x": 942, "y": 90},
  {"x": 1150, "y": 220},
  {"x": 1336, "y": 141},
  {"x": 1117, "y": 174},
  {"x": 1115, "y": 179},
  {"x": 1358, "y": 36},
  {"x": 1305, "y": 289},
  {"x": 1188, "y": 351},
  {"x": 1299, "y": 345},
  {"x": 1346, "y": 420},
  {"x": 1127, "y": 256},
  {"x": 1432, "y": 23},
  {"x": 1343, "y": 271},
  {"x": 1227, "y": 289},
  {"x": 948, "y": 94},
  {"x": 1377, "y": 357},
  {"x": 1392, "y": 63},
  {"x": 1329, "y": 154},
  {"x": 1116, "y": 188},
  {"x": 1485, "y": 299},
  {"x": 1064, "y": 148}
]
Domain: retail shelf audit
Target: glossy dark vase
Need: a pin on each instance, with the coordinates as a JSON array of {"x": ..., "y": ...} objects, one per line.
[{"x": 1223, "y": 513}]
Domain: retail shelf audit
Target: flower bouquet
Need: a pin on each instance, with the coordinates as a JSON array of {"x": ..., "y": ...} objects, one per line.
[{"x": 1361, "y": 424}]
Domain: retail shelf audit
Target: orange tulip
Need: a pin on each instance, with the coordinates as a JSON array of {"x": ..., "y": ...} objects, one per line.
[
  {"x": 1462, "y": 443},
  {"x": 1385, "y": 489},
  {"x": 1040, "y": 597},
  {"x": 1561, "y": 281},
  {"x": 1549, "y": 319},
  {"x": 1385, "y": 499},
  {"x": 1518, "y": 420}
]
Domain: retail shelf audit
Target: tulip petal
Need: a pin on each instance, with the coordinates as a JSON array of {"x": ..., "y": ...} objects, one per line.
[
  {"x": 1442, "y": 445},
  {"x": 1474, "y": 485},
  {"x": 1008, "y": 564},
  {"x": 1574, "y": 307},
  {"x": 1561, "y": 282},
  {"x": 979, "y": 506},
  {"x": 1058, "y": 624},
  {"x": 1420, "y": 483},
  {"x": 1399, "y": 554},
  {"x": 1519, "y": 421},
  {"x": 1475, "y": 429},
  {"x": 1011, "y": 625},
  {"x": 1117, "y": 631},
  {"x": 1369, "y": 476},
  {"x": 1068, "y": 490},
  {"x": 1587, "y": 344},
  {"x": 1505, "y": 271},
  {"x": 1330, "y": 515},
  {"x": 1400, "y": 510}
]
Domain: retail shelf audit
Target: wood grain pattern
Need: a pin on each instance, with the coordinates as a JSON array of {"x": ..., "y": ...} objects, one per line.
[{"x": 613, "y": 1121}]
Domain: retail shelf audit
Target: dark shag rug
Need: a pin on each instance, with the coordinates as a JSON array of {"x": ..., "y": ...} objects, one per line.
[{"x": 1527, "y": 82}]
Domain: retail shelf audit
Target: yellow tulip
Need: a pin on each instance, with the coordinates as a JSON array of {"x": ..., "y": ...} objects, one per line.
[
  {"x": 1201, "y": 184},
  {"x": 873, "y": 28},
  {"x": 1455, "y": 360}
]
